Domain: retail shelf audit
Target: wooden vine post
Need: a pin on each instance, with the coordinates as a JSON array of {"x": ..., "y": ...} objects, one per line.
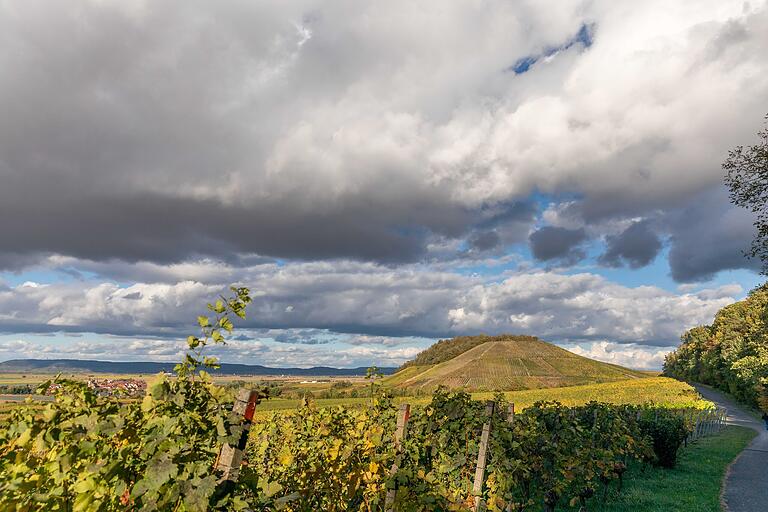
[
  {"x": 403, "y": 415},
  {"x": 696, "y": 427},
  {"x": 231, "y": 457},
  {"x": 482, "y": 454},
  {"x": 511, "y": 421}
]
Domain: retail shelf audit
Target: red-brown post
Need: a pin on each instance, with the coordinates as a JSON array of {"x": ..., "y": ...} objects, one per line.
[{"x": 231, "y": 457}]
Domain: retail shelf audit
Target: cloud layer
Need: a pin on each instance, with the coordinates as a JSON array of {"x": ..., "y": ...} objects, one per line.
[
  {"x": 378, "y": 173},
  {"x": 307, "y": 130},
  {"x": 369, "y": 299}
]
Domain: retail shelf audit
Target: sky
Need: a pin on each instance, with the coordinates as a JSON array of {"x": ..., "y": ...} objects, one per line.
[{"x": 381, "y": 175}]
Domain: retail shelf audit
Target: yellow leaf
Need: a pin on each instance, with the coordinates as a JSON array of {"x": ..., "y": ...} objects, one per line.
[{"x": 285, "y": 457}]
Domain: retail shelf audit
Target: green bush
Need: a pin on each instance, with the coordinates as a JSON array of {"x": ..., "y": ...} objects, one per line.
[{"x": 667, "y": 433}]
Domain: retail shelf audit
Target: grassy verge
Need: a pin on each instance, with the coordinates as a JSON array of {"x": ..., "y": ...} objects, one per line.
[{"x": 693, "y": 486}]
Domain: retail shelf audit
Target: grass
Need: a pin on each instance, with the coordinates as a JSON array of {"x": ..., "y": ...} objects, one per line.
[{"x": 693, "y": 486}]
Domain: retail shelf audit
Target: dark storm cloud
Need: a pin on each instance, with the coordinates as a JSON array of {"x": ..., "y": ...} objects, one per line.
[
  {"x": 143, "y": 136},
  {"x": 172, "y": 131},
  {"x": 509, "y": 213},
  {"x": 13, "y": 260},
  {"x": 556, "y": 243},
  {"x": 169, "y": 229},
  {"x": 708, "y": 236},
  {"x": 636, "y": 246},
  {"x": 302, "y": 337},
  {"x": 484, "y": 241}
]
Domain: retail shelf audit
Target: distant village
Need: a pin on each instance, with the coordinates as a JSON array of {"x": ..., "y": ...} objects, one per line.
[
  {"x": 118, "y": 387},
  {"x": 112, "y": 387}
]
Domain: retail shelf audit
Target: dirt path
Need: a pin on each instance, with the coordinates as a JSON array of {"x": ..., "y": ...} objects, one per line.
[{"x": 746, "y": 483}]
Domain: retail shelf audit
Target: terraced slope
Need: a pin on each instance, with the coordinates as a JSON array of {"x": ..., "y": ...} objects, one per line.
[{"x": 511, "y": 364}]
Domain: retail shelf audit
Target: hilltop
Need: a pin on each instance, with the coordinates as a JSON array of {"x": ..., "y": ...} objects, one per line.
[
  {"x": 488, "y": 363},
  {"x": 444, "y": 350}
]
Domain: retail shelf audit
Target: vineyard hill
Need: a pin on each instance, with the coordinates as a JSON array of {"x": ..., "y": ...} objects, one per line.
[{"x": 506, "y": 363}]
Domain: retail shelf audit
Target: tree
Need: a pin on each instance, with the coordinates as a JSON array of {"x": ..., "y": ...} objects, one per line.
[
  {"x": 732, "y": 353},
  {"x": 747, "y": 179}
]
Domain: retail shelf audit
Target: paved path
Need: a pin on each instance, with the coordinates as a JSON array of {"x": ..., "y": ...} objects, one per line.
[{"x": 746, "y": 484}]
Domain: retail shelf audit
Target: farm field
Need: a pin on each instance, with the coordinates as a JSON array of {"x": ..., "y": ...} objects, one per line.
[
  {"x": 304, "y": 382},
  {"x": 294, "y": 387},
  {"x": 661, "y": 391}
]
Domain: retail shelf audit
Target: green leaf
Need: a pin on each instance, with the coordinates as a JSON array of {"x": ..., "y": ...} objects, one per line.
[
  {"x": 160, "y": 469},
  {"x": 226, "y": 324},
  {"x": 197, "y": 497}
]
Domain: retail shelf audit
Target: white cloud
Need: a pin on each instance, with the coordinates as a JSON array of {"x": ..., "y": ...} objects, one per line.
[
  {"x": 631, "y": 356},
  {"x": 379, "y": 303},
  {"x": 560, "y": 307}
]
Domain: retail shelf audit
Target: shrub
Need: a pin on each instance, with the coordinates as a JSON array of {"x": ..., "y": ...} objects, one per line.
[{"x": 667, "y": 433}]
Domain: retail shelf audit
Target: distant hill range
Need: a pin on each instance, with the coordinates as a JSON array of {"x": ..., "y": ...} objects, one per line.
[
  {"x": 85, "y": 366},
  {"x": 506, "y": 362}
]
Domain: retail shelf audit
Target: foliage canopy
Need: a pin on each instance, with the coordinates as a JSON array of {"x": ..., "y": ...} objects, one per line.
[
  {"x": 747, "y": 178},
  {"x": 732, "y": 353}
]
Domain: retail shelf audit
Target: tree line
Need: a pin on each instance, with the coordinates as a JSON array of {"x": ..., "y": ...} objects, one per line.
[{"x": 731, "y": 354}]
